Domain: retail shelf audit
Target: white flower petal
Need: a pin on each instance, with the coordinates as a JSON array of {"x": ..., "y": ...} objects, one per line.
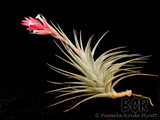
[
  {"x": 39, "y": 16},
  {"x": 30, "y": 23}
]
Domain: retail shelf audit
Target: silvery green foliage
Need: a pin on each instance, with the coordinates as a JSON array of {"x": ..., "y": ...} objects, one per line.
[{"x": 100, "y": 75}]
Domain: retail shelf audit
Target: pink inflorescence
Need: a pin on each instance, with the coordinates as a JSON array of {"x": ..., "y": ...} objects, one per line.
[{"x": 36, "y": 26}]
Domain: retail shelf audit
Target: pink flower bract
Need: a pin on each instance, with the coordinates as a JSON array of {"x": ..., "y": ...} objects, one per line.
[
  {"x": 36, "y": 26},
  {"x": 41, "y": 27}
]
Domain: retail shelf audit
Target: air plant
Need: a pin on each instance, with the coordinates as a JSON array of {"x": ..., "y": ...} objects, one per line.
[{"x": 99, "y": 76}]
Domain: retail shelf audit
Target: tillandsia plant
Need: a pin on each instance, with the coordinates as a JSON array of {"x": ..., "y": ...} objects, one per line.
[{"x": 99, "y": 76}]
